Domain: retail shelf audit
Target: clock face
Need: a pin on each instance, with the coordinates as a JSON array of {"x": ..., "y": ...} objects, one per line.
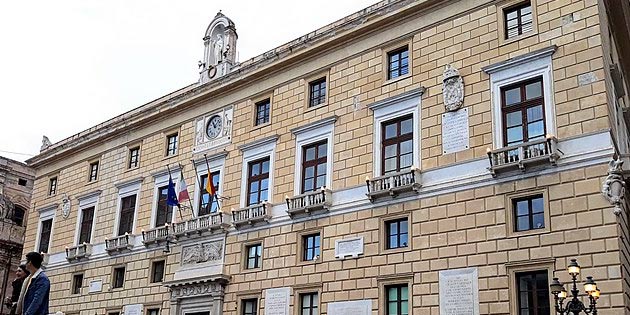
[{"x": 213, "y": 129}]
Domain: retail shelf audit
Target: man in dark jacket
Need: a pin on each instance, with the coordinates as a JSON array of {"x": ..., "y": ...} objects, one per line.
[
  {"x": 20, "y": 274},
  {"x": 36, "y": 288}
]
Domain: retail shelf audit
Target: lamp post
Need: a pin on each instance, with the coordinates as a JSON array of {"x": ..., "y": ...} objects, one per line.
[{"x": 575, "y": 306}]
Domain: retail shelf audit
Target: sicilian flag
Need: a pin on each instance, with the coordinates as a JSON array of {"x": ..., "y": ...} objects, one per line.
[
  {"x": 171, "y": 196},
  {"x": 183, "y": 190},
  {"x": 210, "y": 185}
]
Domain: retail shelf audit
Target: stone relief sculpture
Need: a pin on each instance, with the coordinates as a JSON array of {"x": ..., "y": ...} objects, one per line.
[
  {"x": 202, "y": 253},
  {"x": 65, "y": 206},
  {"x": 614, "y": 187},
  {"x": 45, "y": 143},
  {"x": 452, "y": 89}
]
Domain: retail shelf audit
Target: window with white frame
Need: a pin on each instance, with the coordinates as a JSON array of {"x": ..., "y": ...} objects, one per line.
[
  {"x": 45, "y": 229},
  {"x": 203, "y": 204},
  {"x": 128, "y": 197},
  {"x": 403, "y": 113},
  {"x": 313, "y": 155},
  {"x": 252, "y": 152},
  {"x": 162, "y": 213},
  {"x": 522, "y": 98},
  {"x": 85, "y": 221}
]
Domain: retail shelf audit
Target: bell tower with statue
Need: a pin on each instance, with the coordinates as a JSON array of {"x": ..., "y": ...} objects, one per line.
[{"x": 219, "y": 49}]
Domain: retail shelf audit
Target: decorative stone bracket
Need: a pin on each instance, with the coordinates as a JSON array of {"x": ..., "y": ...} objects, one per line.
[{"x": 614, "y": 187}]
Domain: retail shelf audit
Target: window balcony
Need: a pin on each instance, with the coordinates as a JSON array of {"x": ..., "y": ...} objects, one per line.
[
  {"x": 156, "y": 235},
  {"x": 393, "y": 184},
  {"x": 78, "y": 252},
  {"x": 309, "y": 202},
  {"x": 209, "y": 222},
  {"x": 119, "y": 243},
  {"x": 522, "y": 155},
  {"x": 251, "y": 215}
]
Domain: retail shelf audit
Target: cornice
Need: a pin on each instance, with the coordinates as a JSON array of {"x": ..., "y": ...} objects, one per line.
[
  {"x": 210, "y": 158},
  {"x": 518, "y": 60},
  {"x": 258, "y": 143},
  {"x": 314, "y": 125},
  {"x": 129, "y": 182},
  {"x": 418, "y": 92}
]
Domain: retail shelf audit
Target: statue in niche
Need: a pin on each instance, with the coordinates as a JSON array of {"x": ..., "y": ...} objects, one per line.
[
  {"x": 218, "y": 49},
  {"x": 452, "y": 89}
]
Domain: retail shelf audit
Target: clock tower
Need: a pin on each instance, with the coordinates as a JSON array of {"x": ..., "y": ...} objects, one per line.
[{"x": 219, "y": 55}]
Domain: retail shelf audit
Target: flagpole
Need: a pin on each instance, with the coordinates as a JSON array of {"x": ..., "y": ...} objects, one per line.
[
  {"x": 209, "y": 179},
  {"x": 179, "y": 209},
  {"x": 181, "y": 168}
]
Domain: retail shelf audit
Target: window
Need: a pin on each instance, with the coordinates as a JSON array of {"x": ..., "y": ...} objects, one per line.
[
  {"x": 118, "y": 278},
  {"x": 22, "y": 181},
  {"x": 77, "y": 283},
  {"x": 52, "y": 186},
  {"x": 529, "y": 213},
  {"x": 18, "y": 215},
  {"x": 249, "y": 306},
  {"x": 127, "y": 212},
  {"x": 93, "y": 171},
  {"x": 85, "y": 228},
  {"x": 317, "y": 92},
  {"x": 314, "y": 166},
  {"x": 254, "y": 256},
  {"x": 518, "y": 20},
  {"x": 397, "y": 299},
  {"x": 311, "y": 246},
  {"x": 397, "y": 233},
  {"x": 397, "y": 145},
  {"x": 171, "y": 144},
  {"x": 164, "y": 211},
  {"x": 523, "y": 112},
  {"x": 258, "y": 181},
  {"x": 157, "y": 271},
  {"x": 134, "y": 157},
  {"x": 262, "y": 111},
  {"x": 533, "y": 292},
  {"x": 207, "y": 206},
  {"x": 398, "y": 63},
  {"x": 309, "y": 303},
  {"x": 154, "y": 311},
  {"x": 113, "y": 313},
  {"x": 44, "y": 235}
]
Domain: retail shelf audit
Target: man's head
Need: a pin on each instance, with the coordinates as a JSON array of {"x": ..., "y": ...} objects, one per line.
[
  {"x": 33, "y": 261},
  {"x": 21, "y": 272}
]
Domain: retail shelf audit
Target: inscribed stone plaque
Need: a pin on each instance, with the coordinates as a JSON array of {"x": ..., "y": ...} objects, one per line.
[
  {"x": 459, "y": 292},
  {"x": 455, "y": 133},
  {"x": 133, "y": 309},
  {"x": 96, "y": 286},
  {"x": 277, "y": 301},
  {"x": 349, "y": 247},
  {"x": 361, "y": 307}
]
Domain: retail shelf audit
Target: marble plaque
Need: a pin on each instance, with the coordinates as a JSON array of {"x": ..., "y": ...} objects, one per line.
[
  {"x": 459, "y": 292},
  {"x": 349, "y": 247},
  {"x": 133, "y": 309},
  {"x": 277, "y": 301},
  {"x": 96, "y": 286},
  {"x": 361, "y": 307},
  {"x": 455, "y": 131}
]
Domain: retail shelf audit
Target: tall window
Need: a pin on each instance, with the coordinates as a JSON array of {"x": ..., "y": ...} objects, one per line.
[
  {"x": 155, "y": 311},
  {"x": 52, "y": 186},
  {"x": 254, "y": 256},
  {"x": 397, "y": 299},
  {"x": 171, "y": 144},
  {"x": 262, "y": 111},
  {"x": 205, "y": 207},
  {"x": 314, "y": 166},
  {"x": 529, "y": 213},
  {"x": 311, "y": 245},
  {"x": 523, "y": 112},
  {"x": 127, "y": 212},
  {"x": 249, "y": 307},
  {"x": 134, "y": 157},
  {"x": 44, "y": 235},
  {"x": 533, "y": 293},
  {"x": 397, "y": 147},
  {"x": 157, "y": 271},
  {"x": 398, "y": 63},
  {"x": 18, "y": 215},
  {"x": 77, "y": 283},
  {"x": 87, "y": 218},
  {"x": 164, "y": 212},
  {"x": 397, "y": 233},
  {"x": 309, "y": 303},
  {"x": 317, "y": 92},
  {"x": 93, "y": 171},
  {"x": 518, "y": 20},
  {"x": 118, "y": 277},
  {"x": 258, "y": 181}
]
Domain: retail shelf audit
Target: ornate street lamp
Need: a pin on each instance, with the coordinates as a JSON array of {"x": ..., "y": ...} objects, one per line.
[{"x": 575, "y": 306}]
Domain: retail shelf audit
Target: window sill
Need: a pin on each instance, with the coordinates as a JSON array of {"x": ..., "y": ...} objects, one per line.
[
  {"x": 508, "y": 41},
  {"x": 252, "y": 270},
  {"x": 92, "y": 182},
  {"x": 309, "y": 262},
  {"x": 514, "y": 234},
  {"x": 395, "y": 250},
  {"x": 396, "y": 79},
  {"x": 168, "y": 157},
  {"x": 316, "y": 107},
  {"x": 262, "y": 125}
]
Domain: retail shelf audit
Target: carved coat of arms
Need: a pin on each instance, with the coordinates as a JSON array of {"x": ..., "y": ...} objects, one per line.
[
  {"x": 452, "y": 89},
  {"x": 65, "y": 206}
]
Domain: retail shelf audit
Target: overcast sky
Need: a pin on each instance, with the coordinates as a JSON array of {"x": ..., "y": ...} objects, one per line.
[{"x": 67, "y": 65}]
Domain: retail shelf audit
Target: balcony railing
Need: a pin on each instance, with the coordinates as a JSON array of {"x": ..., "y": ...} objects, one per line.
[
  {"x": 521, "y": 155},
  {"x": 156, "y": 235},
  {"x": 394, "y": 184},
  {"x": 208, "y": 222},
  {"x": 251, "y": 215},
  {"x": 78, "y": 252},
  {"x": 119, "y": 243},
  {"x": 308, "y": 202}
]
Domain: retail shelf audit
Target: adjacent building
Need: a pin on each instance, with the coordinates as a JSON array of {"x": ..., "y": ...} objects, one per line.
[{"x": 416, "y": 157}]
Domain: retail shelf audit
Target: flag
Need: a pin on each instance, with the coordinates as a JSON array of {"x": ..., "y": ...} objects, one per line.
[
  {"x": 171, "y": 197},
  {"x": 210, "y": 185},
  {"x": 183, "y": 190}
]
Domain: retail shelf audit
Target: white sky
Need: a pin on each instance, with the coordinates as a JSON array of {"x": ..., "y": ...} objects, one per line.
[{"x": 67, "y": 65}]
